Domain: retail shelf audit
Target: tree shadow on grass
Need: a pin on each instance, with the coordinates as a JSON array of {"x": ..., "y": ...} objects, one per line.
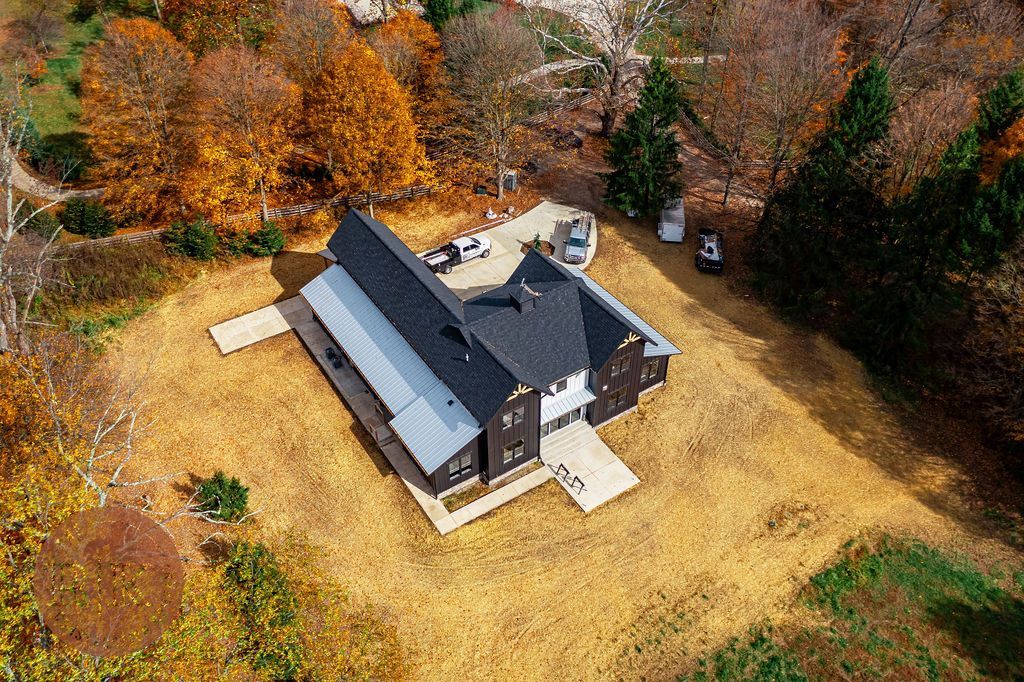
[
  {"x": 293, "y": 270},
  {"x": 991, "y": 634}
]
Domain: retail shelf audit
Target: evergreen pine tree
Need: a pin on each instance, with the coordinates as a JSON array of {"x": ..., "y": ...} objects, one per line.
[
  {"x": 438, "y": 12},
  {"x": 644, "y": 154},
  {"x": 817, "y": 226},
  {"x": 1002, "y": 105}
]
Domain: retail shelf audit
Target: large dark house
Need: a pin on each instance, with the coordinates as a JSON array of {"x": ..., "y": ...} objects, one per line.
[{"x": 470, "y": 388}]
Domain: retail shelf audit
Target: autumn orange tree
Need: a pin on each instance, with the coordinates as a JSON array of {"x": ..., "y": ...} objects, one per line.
[
  {"x": 244, "y": 110},
  {"x": 134, "y": 99},
  {"x": 411, "y": 51},
  {"x": 205, "y": 25},
  {"x": 362, "y": 121}
]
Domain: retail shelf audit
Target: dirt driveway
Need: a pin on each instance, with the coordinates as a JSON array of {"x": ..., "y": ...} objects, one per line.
[{"x": 758, "y": 423}]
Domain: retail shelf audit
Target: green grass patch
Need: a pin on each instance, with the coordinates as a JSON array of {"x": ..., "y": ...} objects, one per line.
[
  {"x": 759, "y": 657},
  {"x": 56, "y": 108},
  {"x": 898, "y": 609},
  {"x": 101, "y": 290}
]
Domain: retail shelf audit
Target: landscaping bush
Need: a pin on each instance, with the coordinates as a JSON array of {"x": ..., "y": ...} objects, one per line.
[
  {"x": 234, "y": 243},
  {"x": 196, "y": 239},
  {"x": 88, "y": 218},
  {"x": 266, "y": 241},
  {"x": 44, "y": 224},
  {"x": 224, "y": 496},
  {"x": 260, "y": 592}
]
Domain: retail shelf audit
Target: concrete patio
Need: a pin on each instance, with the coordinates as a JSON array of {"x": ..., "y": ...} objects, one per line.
[
  {"x": 260, "y": 324},
  {"x": 587, "y": 468}
]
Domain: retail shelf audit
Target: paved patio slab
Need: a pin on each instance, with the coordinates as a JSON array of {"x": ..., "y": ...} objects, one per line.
[
  {"x": 260, "y": 324},
  {"x": 585, "y": 467}
]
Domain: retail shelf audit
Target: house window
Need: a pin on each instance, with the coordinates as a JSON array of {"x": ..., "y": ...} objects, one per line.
[
  {"x": 460, "y": 466},
  {"x": 616, "y": 399},
  {"x": 620, "y": 366},
  {"x": 649, "y": 370},
  {"x": 513, "y": 450},
  {"x": 560, "y": 386},
  {"x": 510, "y": 419}
]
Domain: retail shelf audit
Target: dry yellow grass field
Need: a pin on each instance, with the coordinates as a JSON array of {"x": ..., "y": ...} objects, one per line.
[{"x": 758, "y": 423}]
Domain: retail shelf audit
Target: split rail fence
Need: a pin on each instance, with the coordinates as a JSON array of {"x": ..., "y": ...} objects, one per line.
[{"x": 361, "y": 199}]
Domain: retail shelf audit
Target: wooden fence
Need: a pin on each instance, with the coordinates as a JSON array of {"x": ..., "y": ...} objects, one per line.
[
  {"x": 348, "y": 201},
  {"x": 117, "y": 239}
]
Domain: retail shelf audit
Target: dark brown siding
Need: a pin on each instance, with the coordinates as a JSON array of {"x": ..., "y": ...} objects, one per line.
[
  {"x": 605, "y": 383},
  {"x": 528, "y": 430},
  {"x": 659, "y": 376},
  {"x": 440, "y": 479}
]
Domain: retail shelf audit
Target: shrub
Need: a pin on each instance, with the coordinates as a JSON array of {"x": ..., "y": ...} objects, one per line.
[
  {"x": 89, "y": 218},
  {"x": 234, "y": 243},
  {"x": 266, "y": 241},
  {"x": 226, "y": 497},
  {"x": 193, "y": 240},
  {"x": 260, "y": 592}
]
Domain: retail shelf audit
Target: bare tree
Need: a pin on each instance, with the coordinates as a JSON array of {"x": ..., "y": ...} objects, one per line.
[
  {"x": 23, "y": 257},
  {"x": 309, "y": 35},
  {"x": 487, "y": 58},
  {"x": 41, "y": 22},
  {"x": 921, "y": 130},
  {"x": 95, "y": 420},
  {"x": 613, "y": 28},
  {"x": 799, "y": 77}
]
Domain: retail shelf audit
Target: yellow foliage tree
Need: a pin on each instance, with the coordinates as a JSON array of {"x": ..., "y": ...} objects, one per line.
[
  {"x": 134, "y": 97},
  {"x": 361, "y": 119},
  {"x": 411, "y": 51},
  {"x": 244, "y": 112}
]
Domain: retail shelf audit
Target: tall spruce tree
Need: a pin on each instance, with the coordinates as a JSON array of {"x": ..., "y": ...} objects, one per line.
[
  {"x": 438, "y": 12},
  {"x": 817, "y": 225},
  {"x": 644, "y": 154}
]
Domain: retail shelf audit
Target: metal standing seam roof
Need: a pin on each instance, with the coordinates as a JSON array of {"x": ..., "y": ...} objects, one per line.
[
  {"x": 663, "y": 347},
  {"x": 565, "y": 403},
  {"x": 429, "y": 419}
]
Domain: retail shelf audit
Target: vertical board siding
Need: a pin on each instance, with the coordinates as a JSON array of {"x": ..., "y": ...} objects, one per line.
[
  {"x": 440, "y": 479},
  {"x": 528, "y": 430},
  {"x": 630, "y": 380}
]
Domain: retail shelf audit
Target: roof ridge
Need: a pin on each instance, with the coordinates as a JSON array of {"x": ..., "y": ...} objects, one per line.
[{"x": 414, "y": 265}]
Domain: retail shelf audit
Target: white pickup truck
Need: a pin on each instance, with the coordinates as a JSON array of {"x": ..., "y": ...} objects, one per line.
[{"x": 456, "y": 252}]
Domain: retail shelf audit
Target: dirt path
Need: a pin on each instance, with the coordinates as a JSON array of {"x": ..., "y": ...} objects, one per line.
[
  {"x": 758, "y": 423},
  {"x": 30, "y": 184}
]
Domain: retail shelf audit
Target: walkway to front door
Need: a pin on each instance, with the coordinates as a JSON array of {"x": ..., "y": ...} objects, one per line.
[{"x": 586, "y": 467}]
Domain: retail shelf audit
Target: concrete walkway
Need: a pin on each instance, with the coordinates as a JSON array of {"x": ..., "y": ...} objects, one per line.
[
  {"x": 259, "y": 324},
  {"x": 586, "y": 467},
  {"x": 549, "y": 220}
]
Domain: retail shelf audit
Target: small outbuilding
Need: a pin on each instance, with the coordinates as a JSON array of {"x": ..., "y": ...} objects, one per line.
[{"x": 672, "y": 225}]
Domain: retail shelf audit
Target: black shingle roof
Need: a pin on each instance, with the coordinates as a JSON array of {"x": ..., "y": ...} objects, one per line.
[
  {"x": 423, "y": 310},
  {"x": 507, "y": 342}
]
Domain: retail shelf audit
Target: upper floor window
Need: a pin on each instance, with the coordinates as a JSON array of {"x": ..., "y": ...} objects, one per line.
[
  {"x": 620, "y": 366},
  {"x": 513, "y": 417},
  {"x": 560, "y": 386}
]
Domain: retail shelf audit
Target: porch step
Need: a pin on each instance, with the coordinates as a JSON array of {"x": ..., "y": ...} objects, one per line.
[{"x": 568, "y": 439}]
